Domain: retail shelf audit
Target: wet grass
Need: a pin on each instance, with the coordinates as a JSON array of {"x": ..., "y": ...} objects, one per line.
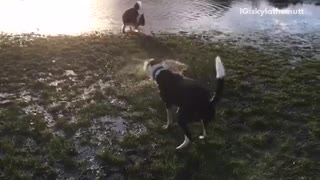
[
  {"x": 267, "y": 125},
  {"x": 112, "y": 159}
]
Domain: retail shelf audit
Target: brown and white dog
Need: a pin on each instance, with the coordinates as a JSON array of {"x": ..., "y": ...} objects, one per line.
[
  {"x": 132, "y": 18},
  {"x": 194, "y": 101}
]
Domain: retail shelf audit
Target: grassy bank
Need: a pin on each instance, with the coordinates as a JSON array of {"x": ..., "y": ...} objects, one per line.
[{"x": 60, "y": 95}]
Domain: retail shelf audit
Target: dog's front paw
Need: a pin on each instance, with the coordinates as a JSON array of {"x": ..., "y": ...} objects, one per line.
[
  {"x": 166, "y": 126},
  {"x": 202, "y": 137}
]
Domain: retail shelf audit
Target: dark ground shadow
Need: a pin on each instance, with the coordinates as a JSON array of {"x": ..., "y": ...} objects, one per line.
[{"x": 153, "y": 46}]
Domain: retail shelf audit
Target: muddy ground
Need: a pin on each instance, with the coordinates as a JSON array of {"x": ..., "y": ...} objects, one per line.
[{"x": 81, "y": 107}]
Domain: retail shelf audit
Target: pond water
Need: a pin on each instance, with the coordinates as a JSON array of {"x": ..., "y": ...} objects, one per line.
[{"x": 83, "y": 16}]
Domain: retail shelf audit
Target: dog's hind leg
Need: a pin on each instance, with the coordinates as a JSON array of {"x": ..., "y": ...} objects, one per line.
[
  {"x": 123, "y": 28},
  {"x": 204, "y": 129},
  {"x": 136, "y": 28},
  {"x": 187, "y": 135},
  {"x": 183, "y": 118}
]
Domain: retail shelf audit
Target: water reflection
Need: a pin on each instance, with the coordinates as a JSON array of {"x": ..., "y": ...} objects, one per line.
[
  {"x": 80, "y": 16},
  {"x": 282, "y": 4}
]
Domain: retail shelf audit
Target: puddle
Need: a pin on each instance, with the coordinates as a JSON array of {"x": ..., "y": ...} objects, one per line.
[
  {"x": 98, "y": 86},
  {"x": 6, "y": 98},
  {"x": 70, "y": 73},
  {"x": 6, "y": 95},
  {"x": 104, "y": 85},
  {"x": 103, "y": 132},
  {"x": 48, "y": 78},
  {"x": 117, "y": 125},
  {"x": 23, "y": 96},
  {"x": 56, "y": 83},
  {"x": 29, "y": 145},
  {"x": 106, "y": 129},
  {"x": 4, "y": 102},
  {"x": 117, "y": 102},
  {"x": 36, "y": 109},
  {"x": 87, "y": 156},
  {"x": 87, "y": 91},
  {"x": 26, "y": 97}
]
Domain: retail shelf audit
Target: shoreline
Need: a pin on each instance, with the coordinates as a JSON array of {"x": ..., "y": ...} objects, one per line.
[{"x": 299, "y": 45}]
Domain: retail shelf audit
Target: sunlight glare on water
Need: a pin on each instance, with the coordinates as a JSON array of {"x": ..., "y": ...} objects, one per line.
[{"x": 47, "y": 16}]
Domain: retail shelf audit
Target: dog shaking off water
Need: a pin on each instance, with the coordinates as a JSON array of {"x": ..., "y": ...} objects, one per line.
[
  {"x": 194, "y": 101},
  {"x": 131, "y": 17}
]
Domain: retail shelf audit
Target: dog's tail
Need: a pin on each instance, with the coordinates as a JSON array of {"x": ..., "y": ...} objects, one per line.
[{"x": 220, "y": 81}]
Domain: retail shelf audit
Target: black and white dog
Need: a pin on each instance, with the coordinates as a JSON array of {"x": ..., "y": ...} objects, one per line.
[
  {"x": 194, "y": 101},
  {"x": 132, "y": 18}
]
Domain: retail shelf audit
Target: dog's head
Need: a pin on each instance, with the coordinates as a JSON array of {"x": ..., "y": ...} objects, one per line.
[
  {"x": 137, "y": 5},
  {"x": 154, "y": 67}
]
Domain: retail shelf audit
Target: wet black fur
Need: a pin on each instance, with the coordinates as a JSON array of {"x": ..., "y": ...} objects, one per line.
[{"x": 195, "y": 101}]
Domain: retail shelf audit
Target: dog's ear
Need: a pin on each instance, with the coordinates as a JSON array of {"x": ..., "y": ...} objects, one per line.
[
  {"x": 155, "y": 61},
  {"x": 147, "y": 63},
  {"x": 176, "y": 66},
  {"x": 150, "y": 62}
]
